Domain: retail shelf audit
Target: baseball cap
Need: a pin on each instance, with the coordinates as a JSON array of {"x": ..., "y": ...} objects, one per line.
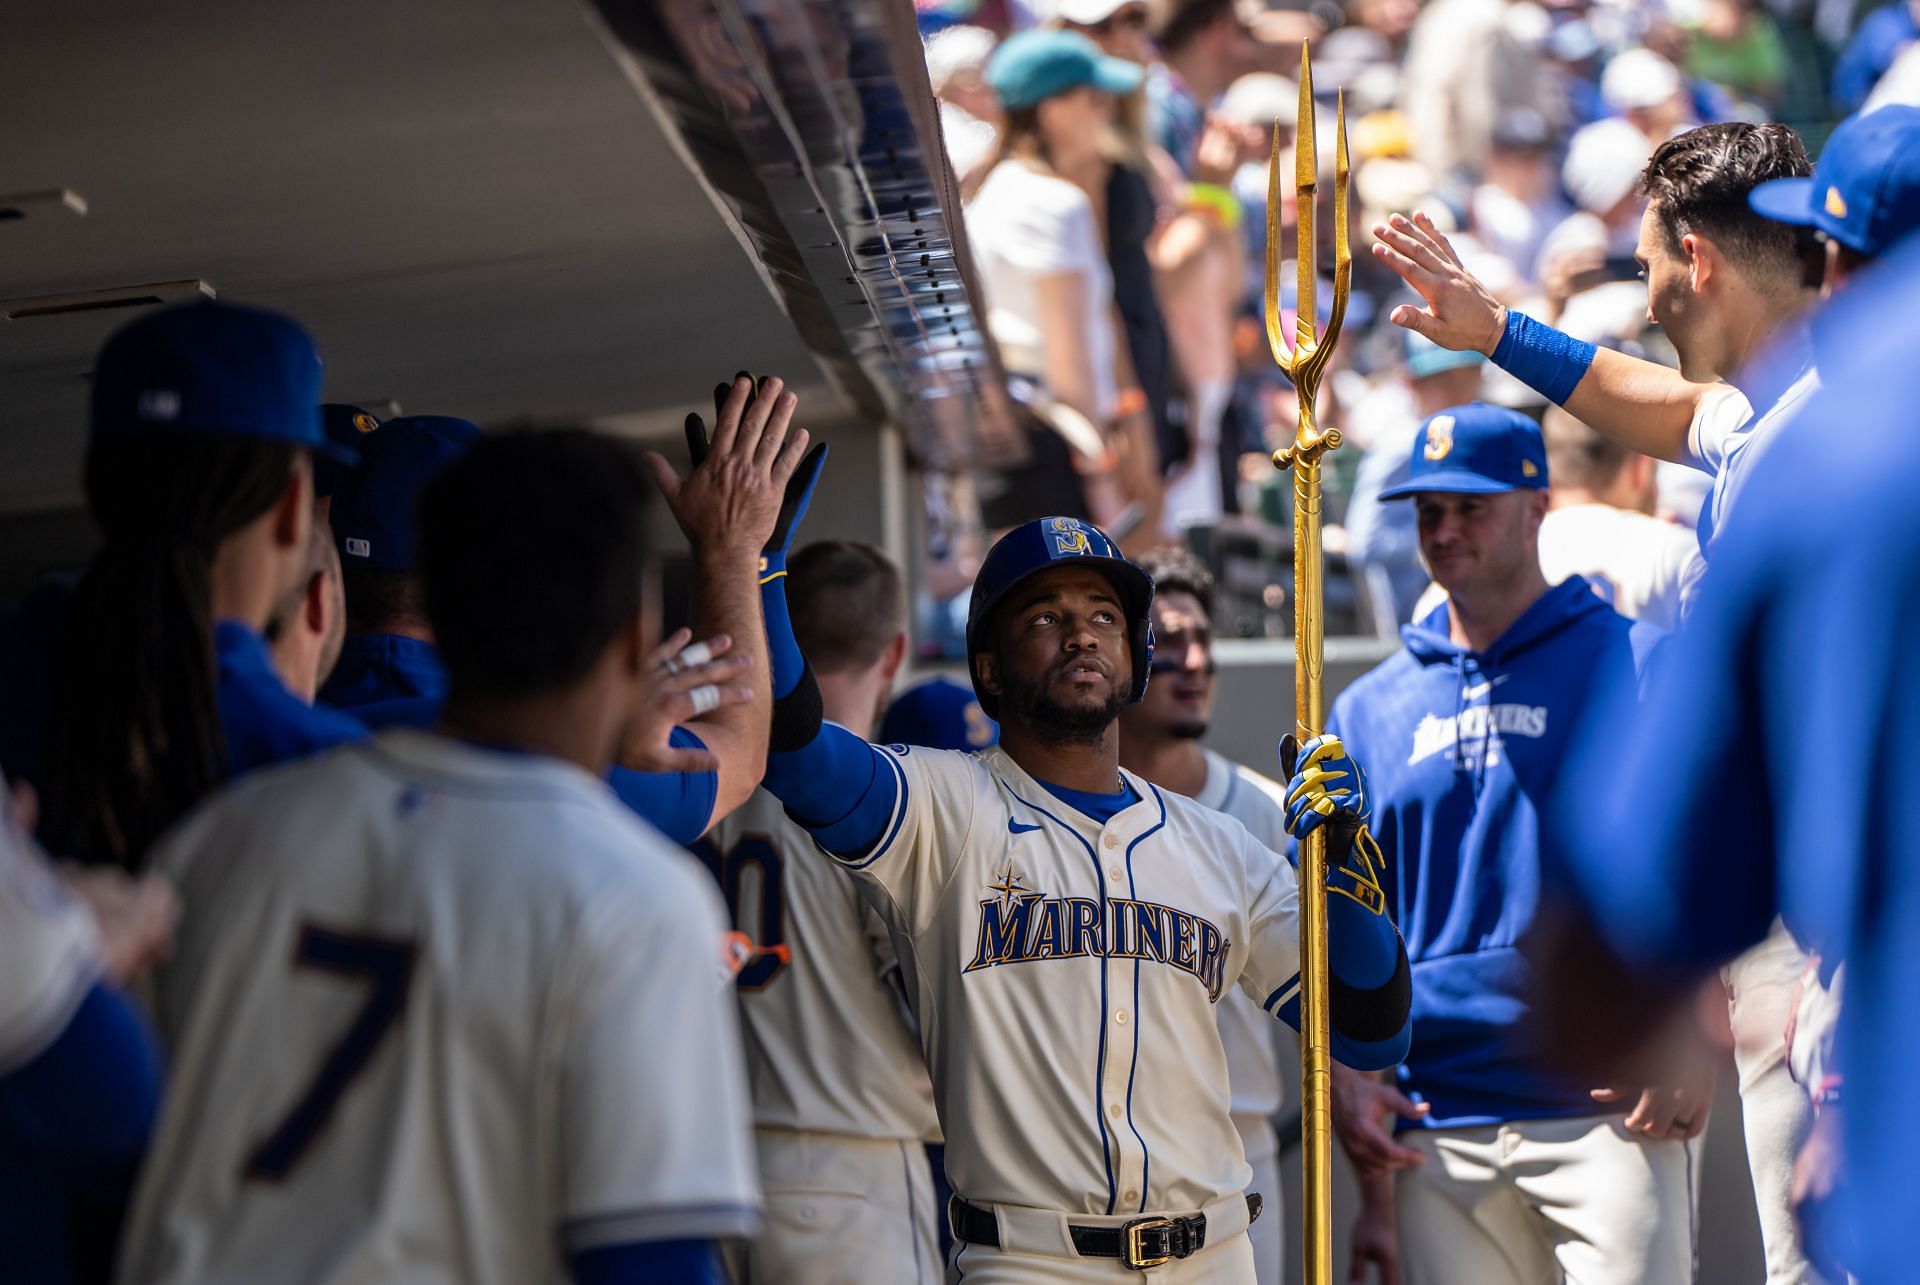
[
  {"x": 1865, "y": 192},
  {"x": 344, "y": 426},
  {"x": 1091, "y": 13},
  {"x": 1425, "y": 357},
  {"x": 374, "y": 505},
  {"x": 211, "y": 369},
  {"x": 1639, "y": 78},
  {"x": 1475, "y": 450},
  {"x": 1033, "y": 66},
  {"x": 938, "y": 714}
]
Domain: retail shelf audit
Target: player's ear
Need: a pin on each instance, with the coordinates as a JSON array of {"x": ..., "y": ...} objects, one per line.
[
  {"x": 895, "y": 656},
  {"x": 988, "y": 663},
  {"x": 635, "y": 642}
]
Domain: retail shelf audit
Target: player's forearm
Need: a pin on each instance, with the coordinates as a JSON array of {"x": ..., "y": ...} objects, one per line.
[
  {"x": 727, "y": 601},
  {"x": 1372, "y": 986},
  {"x": 1640, "y": 404}
]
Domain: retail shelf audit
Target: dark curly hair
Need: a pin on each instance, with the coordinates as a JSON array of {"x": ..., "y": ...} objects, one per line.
[
  {"x": 1698, "y": 183},
  {"x": 1176, "y": 570}
]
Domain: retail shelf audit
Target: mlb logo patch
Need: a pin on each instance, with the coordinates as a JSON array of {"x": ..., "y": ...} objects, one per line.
[
  {"x": 359, "y": 548},
  {"x": 160, "y": 404},
  {"x": 1068, "y": 538}
]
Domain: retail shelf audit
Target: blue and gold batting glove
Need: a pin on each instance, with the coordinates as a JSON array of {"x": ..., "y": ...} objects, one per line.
[{"x": 1324, "y": 780}]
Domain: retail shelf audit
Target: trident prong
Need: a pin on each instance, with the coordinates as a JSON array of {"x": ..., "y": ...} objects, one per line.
[{"x": 1304, "y": 361}]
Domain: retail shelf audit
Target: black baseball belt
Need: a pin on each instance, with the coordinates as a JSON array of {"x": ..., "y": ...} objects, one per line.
[{"x": 1139, "y": 1244}]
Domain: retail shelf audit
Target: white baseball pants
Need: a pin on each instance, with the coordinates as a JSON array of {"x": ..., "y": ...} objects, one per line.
[
  {"x": 1039, "y": 1252},
  {"x": 841, "y": 1211}
]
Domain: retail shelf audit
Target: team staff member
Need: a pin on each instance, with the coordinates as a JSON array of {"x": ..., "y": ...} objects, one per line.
[
  {"x": 1067, "y": 928},
  {"x": 1513, "y": 1172},
  {"x": 1724, "y": 283},
  {"x": 442, "y": 1000},
  {"x": 842, "y": 1105},
  {"x": 1160, "y": 740},
  {"x": 199, "y": 471}
]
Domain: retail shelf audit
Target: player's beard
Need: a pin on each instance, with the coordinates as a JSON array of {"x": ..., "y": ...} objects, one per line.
[{"x": 1063, "y": 724}]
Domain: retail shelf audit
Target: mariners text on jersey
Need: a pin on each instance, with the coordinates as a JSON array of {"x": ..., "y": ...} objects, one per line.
[{"x": 1020, "y": 927}]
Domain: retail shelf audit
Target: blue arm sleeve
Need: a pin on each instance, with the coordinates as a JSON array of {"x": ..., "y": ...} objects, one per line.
[
  {"x": 88, "y": 1102},
  {"x": 783, "y": 650},
  {"x": 678, "y": 804},
  {"x": 1371, "y": 1021},
  {"x": 839, "y": 788},
  {"x": 656, "y": 1262}
]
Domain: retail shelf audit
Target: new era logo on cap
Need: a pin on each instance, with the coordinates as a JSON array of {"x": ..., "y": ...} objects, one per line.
[
  {"x": 1836, "y": 203},
  {"x": 359, "y": 548}
]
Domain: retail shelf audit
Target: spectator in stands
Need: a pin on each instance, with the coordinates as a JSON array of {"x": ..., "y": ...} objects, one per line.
[
  {"x": 1649, "y": 93},
  {"x": 199, "y": 471},
  {"x": 969, "y": 112},
  {"x": 1383, "y": 540},
  {"x": 1874, "y": 47},
  {"x": 1467, "y": 62},
  {"x": 1600, "y": 525},
  {"x": 1517, "y": 202},
  {"x": 1036, "y": 238},
  {"x": 1204, "y": 46}
]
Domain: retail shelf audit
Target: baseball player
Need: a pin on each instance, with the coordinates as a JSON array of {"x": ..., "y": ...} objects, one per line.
[
  {"x": 1509, "y": 1170},
  {"x": 79, "y": 1071},
  {"x": 842, "y": 1104},
  {"x": 1728, "y": 286},
  {"x": 444, "y": 1007},
  {"x": 1065, "y": 929},
  {"x": 1724, "y": 784},
  {"x": 306, "y": 630},
  {"x": 1160, "y": 741},
  {"x": 202, "y": 441},
  {"x": 390, "y": 672}
]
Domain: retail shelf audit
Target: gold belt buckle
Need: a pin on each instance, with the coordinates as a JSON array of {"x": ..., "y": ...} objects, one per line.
[{"x": 1135, "y": 1236}]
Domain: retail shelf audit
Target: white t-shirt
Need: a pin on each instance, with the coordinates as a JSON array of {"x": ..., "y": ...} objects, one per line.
[
  {"x": 1249, "y": 1035},
  {"x": 49, "y": 950},
  {"x": 1637, "y": 562},
  {"x": 1727, "y": 435},
  {"x": 1025, "y": 225},
  {"x": 438, "y": 1012},
  {"x": 829, "y": 1049}
]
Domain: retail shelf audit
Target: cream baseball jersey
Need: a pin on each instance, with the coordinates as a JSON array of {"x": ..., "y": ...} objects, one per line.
[
  {"x": 829, "y": 1049},
  {"x": 1066, "y": 973},
  {"x": 437, "y": 1011},
  {"x": 1248, "y": 1035},
  {"x": 49, "y": 950}
]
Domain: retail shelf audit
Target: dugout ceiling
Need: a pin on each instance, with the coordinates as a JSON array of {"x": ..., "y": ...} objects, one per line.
[{"x": 480, "y": 207}]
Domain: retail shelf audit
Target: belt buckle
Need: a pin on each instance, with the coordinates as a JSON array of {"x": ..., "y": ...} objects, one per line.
[{"x": 1135, "y": 1251}]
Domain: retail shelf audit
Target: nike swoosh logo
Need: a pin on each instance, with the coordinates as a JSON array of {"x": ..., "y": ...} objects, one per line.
[
  {"x": 1475, "y": 693},
  {"x": 1014, "y": 827}
]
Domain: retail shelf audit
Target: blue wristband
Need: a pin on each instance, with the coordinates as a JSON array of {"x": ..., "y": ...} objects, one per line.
[{"x": 1549, "y": 361}]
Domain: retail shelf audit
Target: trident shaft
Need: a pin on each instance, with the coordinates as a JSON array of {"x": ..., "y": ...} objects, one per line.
[{"x": 1305, "y": 362}]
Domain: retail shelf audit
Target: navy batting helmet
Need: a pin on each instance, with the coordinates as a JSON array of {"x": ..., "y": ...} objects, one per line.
[{"x": 1050, "y": 542}]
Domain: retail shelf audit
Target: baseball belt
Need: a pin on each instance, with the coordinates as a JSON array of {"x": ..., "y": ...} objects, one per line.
[{"x": 1139, "y": 1244}]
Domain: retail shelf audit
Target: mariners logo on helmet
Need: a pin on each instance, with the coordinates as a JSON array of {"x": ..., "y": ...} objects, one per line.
[{"x": 1032, "y": 548}]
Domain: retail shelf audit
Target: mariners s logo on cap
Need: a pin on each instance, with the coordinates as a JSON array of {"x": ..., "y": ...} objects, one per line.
[
  {"x": 365, "y": 422},
  {"x": 1439, "y": 437},
  {"x": 1068, "y": 538}
]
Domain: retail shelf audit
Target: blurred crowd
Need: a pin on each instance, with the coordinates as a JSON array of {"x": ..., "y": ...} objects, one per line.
[{"x": 1112, "y": 156}]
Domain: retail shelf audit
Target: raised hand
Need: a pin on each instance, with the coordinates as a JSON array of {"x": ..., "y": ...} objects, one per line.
[
  {"x": 1461, "y": 313},
  {"x": 734, "y": 495}
]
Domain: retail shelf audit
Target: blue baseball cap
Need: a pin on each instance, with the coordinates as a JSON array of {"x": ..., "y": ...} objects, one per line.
[
  {"x": 938, "y": 714},
  {"x": 374, "y": 505},
  {"x": 1475, "y": 449},
  {"x": 1865, "y": 192},
  {"x": 344, "y": 426},
  {"x": 211, "y": 369},
  {"x": 1033, "y": 66}
]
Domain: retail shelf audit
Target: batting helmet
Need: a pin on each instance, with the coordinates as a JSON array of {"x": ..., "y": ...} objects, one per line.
[{"x": 1050, "y": 542}]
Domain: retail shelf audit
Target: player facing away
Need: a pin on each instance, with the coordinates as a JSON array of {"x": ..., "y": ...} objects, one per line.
[
  {"x": 842, "y": 1105},
  {"x": 1508, "y": 1172},
  {"x": 1160, "y": 740},
  {"x": 442, "y": 1006},
  {"x": 1066, "y": 928}
]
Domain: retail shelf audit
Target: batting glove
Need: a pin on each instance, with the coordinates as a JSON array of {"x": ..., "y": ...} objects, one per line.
[
  {"x": 1324, "y": 780},
  {"x": 799, "y": 494}
]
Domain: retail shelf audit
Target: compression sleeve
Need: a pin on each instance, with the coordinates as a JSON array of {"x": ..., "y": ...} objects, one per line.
[
  {"x": 1372, "y": 986},
  {"x": 655, "y": 1262},
  {"x": 833, "y": 784},
  {"x": 87, "y": 1103},
  {"x": 678, "y": 804},
  {"x": 783, "y": 649}
]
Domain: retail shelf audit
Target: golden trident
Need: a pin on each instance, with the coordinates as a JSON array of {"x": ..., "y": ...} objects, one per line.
[{"x": 1305, "y": 363}]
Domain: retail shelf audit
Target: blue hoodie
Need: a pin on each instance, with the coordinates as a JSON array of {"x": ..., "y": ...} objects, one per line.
[{"x": 1460, "y": 749}]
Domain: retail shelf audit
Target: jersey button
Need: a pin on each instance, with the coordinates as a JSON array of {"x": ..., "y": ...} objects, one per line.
[
  {"x": 1114, "y": 1110},
  {"x": 1111, "y": 840},
  {"x": 1129, "y": 1195},
  {"x": 1113, "y": 873},
  {"x": 1121, "y": 1017}
]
